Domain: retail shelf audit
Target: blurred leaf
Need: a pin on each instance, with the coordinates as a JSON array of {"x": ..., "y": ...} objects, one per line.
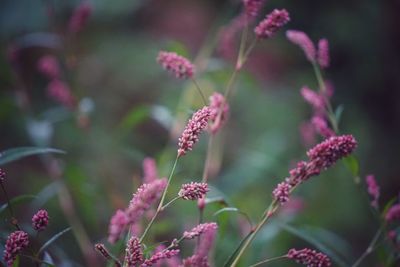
[
  {"x": 352, "y": 165},
  {"x": 135, "y": 116},
  {"x": 338, "y": 113},
  {"x": 47, "y": 260},
  {"x": 45, "y": 194},
  {"x": 233, "y": 209},
  {"x": 53, "y": 239},
  {"x": 14, "y": 154},
  {"x": 388, "y": 205},
  {"x": 308, "y": 236},
  {"x": 16, "y": 262},
  {"x": 178, "y": 47},
  {"x": 17, "y": 200}
]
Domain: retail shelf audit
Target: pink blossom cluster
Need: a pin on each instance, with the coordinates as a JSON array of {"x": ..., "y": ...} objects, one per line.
[
  {"x": 40, "y": 220},
  {"x": 149, "y": 170},
  {"x": 200, "y": 229},
  {"x": 48, "y": 66},
  {"x": 15, "y": 243},
  {"x": 193, "y": 191},
  {"x": 158, "y": 256},
  {"x": 191, "y": 133},
  {"x": 252, "y": 7},
  {"x": 60, "y": 92},
  {"x": 219, "y": 110},
  {"x": 321, "y": 157},
  {"x": 133, "y": 252},
  {"x": 272, "y": 23},
  {"x": 320, "y": 56},
  {"x": 2, "y": 175},
  {"x": 393, "y": 213},
  {"x": 308, "y": 257},
  {"x": 373, "y": 189},
  {"x": 180, "y": 66},
  {"x": 103, "y": 251},
  {"x": 79, "y": 17},
  {"x": 118, "y": 223},
  {"x": 172, "y": 261}
]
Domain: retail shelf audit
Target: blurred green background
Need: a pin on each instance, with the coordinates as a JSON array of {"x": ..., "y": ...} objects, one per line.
[{"x": 129, "y": 108}]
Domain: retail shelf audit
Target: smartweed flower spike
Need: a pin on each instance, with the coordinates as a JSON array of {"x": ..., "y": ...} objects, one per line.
[
  {"x": 103, "y": 251},
  {"x": 252, "y": 7},
  {"x": 308, "y": 257},
  {"x": 177, "y": 65},
  {"x": 149, "y": 170},
  {"x": 145, "y": 196},
  {"x": 393, "y": 213},
  {"x": 313, "y": 98},
  {"x": 323, "y": 53},
  {"x": 40, "y": 220},
  {"x": 321, "y": 126},
  {"x": 373, "y": 189},
  {"x": 216, "y": 102},
  {"x": 331, "y": 150},
  {"x": 193, "y": 191},
  {"x": 48, "y": 66},
  {"x": 200, "y": 229},
  {"x": 79, "y": 17},
  {"x": 16, "y": 242},
  {"x": 272, "y": 23},
  {"x": 119, "y": 222},
  {"x": 134, "y": 253},
  {"x": 281, "y": 192},
  {"x": 165, "y": 254},
  {"x": 195, "y": 126},
  {"x": 61, "y": 93},
  {"x": 2, "y": 175},
  {"x": 304, "y": 42}
]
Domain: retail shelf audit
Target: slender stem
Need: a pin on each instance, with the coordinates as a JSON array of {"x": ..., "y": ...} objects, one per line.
[
  {"x": 200, "y": 92},
  {"x": 370, "y": 247},
  {"x": 169, "y": 203},
  {"x": 159, "y": 208},
  {"x": 249, "y": 49},
  {"x": 8, "y": 200},
  {"x": 268, "y": 260},
  {"x": 239, "y": 61}
]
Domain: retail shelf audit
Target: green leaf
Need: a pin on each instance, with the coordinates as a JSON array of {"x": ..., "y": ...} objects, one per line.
[
  {"x": 14, "y": 154},
  {"x": 17, "y": 200},
  {"x": 228, "y": 209},
  {"x": 53, "y": 239},
  {"x": 308, "y": 236},
  {"x": 135, "y": 116},
  {"x": 338, "y": 113},
  {"x": 16, "y": 262},
  {"x": 352, "y": 164}
]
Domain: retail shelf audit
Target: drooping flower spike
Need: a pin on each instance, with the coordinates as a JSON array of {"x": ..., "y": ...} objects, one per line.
[
  {"x": 373, "y": 190},
  {"x": 178, "y": 65},
  {"x": 272, "y": 23},
  {"x": 309, "y": 258},
  {"x": 304, "y": 42},
  {"x": 15, "y": 243}
]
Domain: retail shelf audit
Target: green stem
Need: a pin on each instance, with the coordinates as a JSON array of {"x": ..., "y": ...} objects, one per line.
[
  {"x": 200, "y": 92},
  {"x": 169, "y": 203},
  {"x": 159, "y": 208},
  {"x": 268, "y": 260},
  {"x": 371, "y": 247}
]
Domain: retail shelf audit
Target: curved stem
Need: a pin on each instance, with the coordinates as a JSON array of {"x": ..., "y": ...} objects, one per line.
[
  {"x": 169, "y": 203},
  {"x": 268, "y": 260},
  {"x": 160, "y": 205},
  {"x": 371, "y": 247},
  {"x": 200, "y": 92}
]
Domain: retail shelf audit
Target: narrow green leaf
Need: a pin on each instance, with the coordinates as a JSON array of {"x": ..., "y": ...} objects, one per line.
[
  {"x": 306, "y": 236},
  {"x": 338, "y": 113},
  {"x": 17, "y": 200},
  {"x": 14, "y": 154},
  {"x": 228, "y": 209},
  {"x": 16, "y": 262},
  {"x": 352, "y": 164},
  {"x": 388, "y": 205},
  {"x": 51, "y": 240},
  {"x": 218, "y": 200},
  {"x": 231, "y": 258}
]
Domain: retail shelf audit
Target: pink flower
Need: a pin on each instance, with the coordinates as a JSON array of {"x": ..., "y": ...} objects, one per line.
[
  {"x": 308, "y": 257},
  {"x": 313, "y": 98},
  {"x": 272, "y": 23},
  {"x": 2, "y": 175},
  {"x": 304, "y": 42},
  {"x": 298, "y": 174},
  {"x": 281, "y": 192},
  {"x": 252, "y": 7},
  {"x": 134, "y": 253},
  {"x": 193, "y": 191},
  {"x": 200, "y": 229},
  {"x": 165, "y": 254},
  {"x": 40, "y": 220},
  {"x": 149, "y": 170},
  {"x": 79, "y": 17},
  {"x": 321, "y": 126},
  {"x": 145, "y": 196},
  {"x": 103, "y": 251},
  {"x": 117, "y": 226},
  {"x": 393, "y": 213},
  {"x": 373, "y": 189},
  {"x": 48, "y": 65},
  {"x": 178, "y": 65},
  {"x": 217, "y": 100},
  {"x": 195, "y": 126},
  {"x": 307, "y": 133},
  {"x": 61, "y": 93},
  {"x": 173, "y": 261},
  {"x": 16, "y": 242},
  {"x": 323, "y": 53},
  {"x": 331, "y": 150}
]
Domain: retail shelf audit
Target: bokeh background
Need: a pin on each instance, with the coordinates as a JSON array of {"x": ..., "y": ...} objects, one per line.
[{"x": 129, "y": 108}]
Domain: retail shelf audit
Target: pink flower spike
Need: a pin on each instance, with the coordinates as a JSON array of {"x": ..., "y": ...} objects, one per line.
[
  {"x": 118, "y": 224},
  {"x": 181, "y": 67},
  {"x": 272, "y": 23},
  {"x": 40, "y": 220},
  {"x": 16, "y": 242},
  {"x": 323, "y": 53},
  {"x": 195, "y": 126},
  {"x": 134, "y": 253},
  {"x": 61, "y": 93},
  {"x": 321, "y": 126},
  {"x": 165, "y": 254},
  {"x": 314, "y": 99},
  {"x": 304, "y": 42},
  {"x": 373, "y": 189},
  {"x": 149, "y": 170},
  {"x": 2, "y": 175},
  {"x": 79, "y": 17},
  {"x": 145, "y": 196},
  {"x": 308, "y": 257},
  {"x": 200, "y": 229},
  {"x": 216, "y": 102},
  {"x": 193, "y": 191},
  {"x": 281, "y": 192},
  {"x": 393, "y": 213},
  {"x": 48, "y": 65},
  {"x": 252, "y": 7}
]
